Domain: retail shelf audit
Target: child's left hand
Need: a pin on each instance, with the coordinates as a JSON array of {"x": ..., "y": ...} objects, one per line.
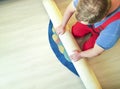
[{"x": 75, "y": 56}]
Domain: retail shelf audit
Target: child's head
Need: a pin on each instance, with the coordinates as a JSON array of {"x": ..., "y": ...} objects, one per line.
[{"x": 92, "y": 11}]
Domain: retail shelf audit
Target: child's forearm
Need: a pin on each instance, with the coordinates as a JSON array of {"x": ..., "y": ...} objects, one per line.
[
  {"x": 68, "y": 13},
  {"x": 97, "y": 50}
]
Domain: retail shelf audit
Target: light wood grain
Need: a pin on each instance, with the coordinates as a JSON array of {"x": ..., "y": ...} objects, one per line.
[{"x": 26, "y": 59}]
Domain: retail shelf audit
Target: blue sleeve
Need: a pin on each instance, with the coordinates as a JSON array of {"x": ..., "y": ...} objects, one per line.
[
  {"x": 75, "y": 2},
  {"x": 109, "y": 36}
]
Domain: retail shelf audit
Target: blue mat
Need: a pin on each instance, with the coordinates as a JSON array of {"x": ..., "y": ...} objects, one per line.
[{"x": 62, "y": 56}]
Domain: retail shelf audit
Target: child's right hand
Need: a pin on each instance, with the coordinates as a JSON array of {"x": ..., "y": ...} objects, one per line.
[
  {"x": 75, "y": 56},
  {"x": 60, "y": 30}
]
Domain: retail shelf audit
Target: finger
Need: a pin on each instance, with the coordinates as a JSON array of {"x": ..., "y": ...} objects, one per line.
[{"x": 75, "y": 50}]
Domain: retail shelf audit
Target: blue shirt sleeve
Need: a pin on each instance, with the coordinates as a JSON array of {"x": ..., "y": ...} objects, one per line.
[
  {"x": 75, "y": 2},
  {"x": 109, "y": 36}
]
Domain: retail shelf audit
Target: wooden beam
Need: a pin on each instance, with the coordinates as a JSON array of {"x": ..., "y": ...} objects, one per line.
[{"x": 86, "y": 73}]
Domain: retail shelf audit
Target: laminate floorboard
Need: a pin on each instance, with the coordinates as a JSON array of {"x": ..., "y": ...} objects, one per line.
[{"x": 26, "y": 59}]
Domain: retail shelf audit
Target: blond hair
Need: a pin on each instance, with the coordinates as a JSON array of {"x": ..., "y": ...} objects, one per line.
[{"x": 92, "y": 11}]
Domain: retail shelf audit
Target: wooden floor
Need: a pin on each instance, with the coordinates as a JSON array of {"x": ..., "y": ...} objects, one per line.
[{"x": 26, "y": 59}]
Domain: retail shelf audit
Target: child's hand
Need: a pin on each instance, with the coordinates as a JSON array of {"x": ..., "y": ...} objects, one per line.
[
  {"x": 60, "y": 30},
  {"x": 75, "y": 56}
]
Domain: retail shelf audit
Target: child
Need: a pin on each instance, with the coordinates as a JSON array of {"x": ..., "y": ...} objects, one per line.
[{"x": 101, "y": 18}]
